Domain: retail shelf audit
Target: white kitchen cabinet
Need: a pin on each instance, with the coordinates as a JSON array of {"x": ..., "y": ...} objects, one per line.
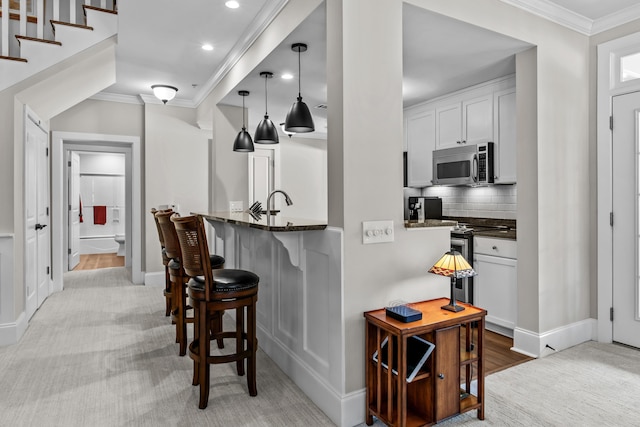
[
  {"x": 504, "y": 102},
  {"x": 495, "y": 287},
  {"x": 420, "y": 134},
  {"x": 468, "y": 121},
  {"x": 449, "y": 125}
]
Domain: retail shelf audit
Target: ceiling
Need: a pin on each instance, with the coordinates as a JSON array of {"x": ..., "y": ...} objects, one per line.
[{"x": 167, "y": 50}]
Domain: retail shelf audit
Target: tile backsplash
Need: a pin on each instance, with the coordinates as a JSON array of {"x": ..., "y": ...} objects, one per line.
[{"x": 498, "y": 201}]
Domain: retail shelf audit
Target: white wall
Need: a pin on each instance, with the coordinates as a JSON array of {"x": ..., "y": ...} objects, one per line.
[
  {"x": 304, "y": 176},
  {"x": 176, "y": 169}
]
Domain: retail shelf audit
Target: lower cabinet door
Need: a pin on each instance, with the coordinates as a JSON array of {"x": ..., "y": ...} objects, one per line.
[{"x": 447, "y": 372}]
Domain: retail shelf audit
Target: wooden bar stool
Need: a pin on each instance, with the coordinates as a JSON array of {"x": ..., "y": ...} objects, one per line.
[
  {"x": 178, "y": 278},
  {"x": 211, "y": 292},
  {"x": 165, "y": 262}
]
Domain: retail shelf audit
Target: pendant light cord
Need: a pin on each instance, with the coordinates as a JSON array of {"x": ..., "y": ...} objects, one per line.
[
  {"x": 243, "y": 126},
  {"x": 299, "y": 77},
  {"x": 266, "y": 109}
]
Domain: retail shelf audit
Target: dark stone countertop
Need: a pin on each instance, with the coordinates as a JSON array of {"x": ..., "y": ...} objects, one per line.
[
  {"x": 278, "y": 222},
  {"x": 427, "y": 223}
]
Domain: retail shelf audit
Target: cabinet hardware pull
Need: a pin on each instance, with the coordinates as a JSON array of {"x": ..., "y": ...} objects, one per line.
[
  {"x": 495, "y": 248},
  {"x": 441, "y": 376}
]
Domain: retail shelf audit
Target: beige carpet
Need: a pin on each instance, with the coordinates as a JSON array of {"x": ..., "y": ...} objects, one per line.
[
  {"x": 102, "y": 353},
  {"x": 592, "y": 384}
]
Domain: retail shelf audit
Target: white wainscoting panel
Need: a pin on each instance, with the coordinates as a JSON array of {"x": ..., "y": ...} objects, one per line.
[
  {"x": 300, "y": 316},
  {"x": 12, "y": 327}
]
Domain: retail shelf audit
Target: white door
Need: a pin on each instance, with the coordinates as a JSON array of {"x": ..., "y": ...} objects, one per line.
[
  {"x": 37, "y": 235},
  {"x": 626, "y": 205},
  {"x": 261, "y": 176},
  {"x": 74, "y": 209}
]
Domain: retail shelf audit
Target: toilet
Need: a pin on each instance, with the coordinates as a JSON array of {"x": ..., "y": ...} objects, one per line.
[{"x": 119, "y": 238}]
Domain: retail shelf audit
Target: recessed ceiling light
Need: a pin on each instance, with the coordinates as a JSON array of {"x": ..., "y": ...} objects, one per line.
[
  {"x": 232, "y": 4},
  {"x": 287, "y": 76},
  {"x": 207, "y": 46}
]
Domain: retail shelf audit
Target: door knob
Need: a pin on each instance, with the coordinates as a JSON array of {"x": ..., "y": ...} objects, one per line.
[{"x": 40, "y": 226}]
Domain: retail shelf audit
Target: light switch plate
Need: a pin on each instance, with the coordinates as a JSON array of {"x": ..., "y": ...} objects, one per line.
[
  {"x": 236, "y": 206},
  {"x": 377, "y": 232}
]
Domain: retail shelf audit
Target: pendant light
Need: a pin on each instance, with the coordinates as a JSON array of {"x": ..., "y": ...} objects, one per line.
[
  {"x": 266, "y": 132},
  {"x": 299, "y": 118},
  {"x": 243, "y": 141}
]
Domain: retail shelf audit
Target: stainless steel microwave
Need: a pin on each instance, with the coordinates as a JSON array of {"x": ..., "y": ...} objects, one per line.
[{"x": 465, "y": 165}]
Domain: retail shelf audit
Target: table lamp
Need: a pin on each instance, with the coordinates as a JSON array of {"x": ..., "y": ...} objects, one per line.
[{"x": 452, "y": 264}]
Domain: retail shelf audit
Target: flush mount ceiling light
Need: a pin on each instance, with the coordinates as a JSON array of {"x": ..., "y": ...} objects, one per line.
[
  {"x": 243, "y": 142},
  {"x": 299, "y": 117},
  {"x": 266, "y": 132},
  {"x": 232, "y": 4},
  {"x": 207, "y": 46},
  {"x": 164, "y": 92}
]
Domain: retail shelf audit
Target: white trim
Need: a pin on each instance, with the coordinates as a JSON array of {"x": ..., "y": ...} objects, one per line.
[
  {"x": 262, "y": 20},
  {"x": 535, "y": 344},
  {"x": 60, "y": 142},
  {"x": 155, "y": 279},
  {"x": 607, "y": 88},
  {"x": 116, "y": 97},
  {"x": 151, "y": 99},
  {"x": 6, "y": 279},
  {"x": 554, "y": 13},
  {"x": 11, "y": 332},
  {"x": 570, "y": 19}
]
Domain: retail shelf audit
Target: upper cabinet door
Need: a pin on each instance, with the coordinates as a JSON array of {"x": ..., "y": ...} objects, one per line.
[
  {"x": 449, "y": 125},
  {"x": 420, "y": 134},
  {"x": 505, "y": 136},
  {"x": 477, "y": 120}
]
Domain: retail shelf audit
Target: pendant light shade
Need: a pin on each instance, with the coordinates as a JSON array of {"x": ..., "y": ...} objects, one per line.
[
  {"x": 266, "y": 132},
  {"x": 243, "y": 142},
  {"x": 299, "y": 118}
]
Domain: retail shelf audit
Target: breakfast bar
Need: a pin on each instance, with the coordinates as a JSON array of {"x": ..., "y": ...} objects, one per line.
[{"x": 299, "y": 308}]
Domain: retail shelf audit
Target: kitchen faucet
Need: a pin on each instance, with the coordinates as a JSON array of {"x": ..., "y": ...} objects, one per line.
[{"x": 287, "y": 199}]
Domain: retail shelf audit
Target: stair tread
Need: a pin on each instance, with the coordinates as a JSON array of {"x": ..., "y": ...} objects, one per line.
[
  {"x": 86, "y": 6},
  {"x": 13, "y": 58},
  {"x": 38, "y": 40},
  {"x": 68, "y": 24}
]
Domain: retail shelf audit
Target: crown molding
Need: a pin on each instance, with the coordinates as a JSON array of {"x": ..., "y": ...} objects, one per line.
[
  {"x": 270, "y": 10},
  {"x": 617, "y": 18},
  {"x": 552, "y": 12},
  {"x": 567, "y": 18},
  {"x": 115, "y": 97},
  {"x": 175, "y": 102}
]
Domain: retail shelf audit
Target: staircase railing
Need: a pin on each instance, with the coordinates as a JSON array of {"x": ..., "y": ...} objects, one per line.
[{"x": 27, "y": 18}]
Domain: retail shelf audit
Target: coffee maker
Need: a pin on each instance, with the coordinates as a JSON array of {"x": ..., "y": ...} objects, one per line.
[{"x": 421, "y": 208}]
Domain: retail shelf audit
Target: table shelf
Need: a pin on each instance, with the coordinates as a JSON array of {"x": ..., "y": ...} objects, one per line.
[{"x": 435, "y": 392}]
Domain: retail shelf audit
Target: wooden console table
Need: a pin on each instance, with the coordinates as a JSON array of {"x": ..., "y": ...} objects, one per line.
[{"x": 442, "y": 387}]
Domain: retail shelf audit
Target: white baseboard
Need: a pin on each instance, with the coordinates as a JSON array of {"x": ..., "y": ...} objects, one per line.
[
  {"x": 536, "y": 344},
  {"x": 154, "y": 279},
  {"x": 353, "y": 408},
  {"x": 344, "y": 411},
  {"x": 10, "y": 333}
]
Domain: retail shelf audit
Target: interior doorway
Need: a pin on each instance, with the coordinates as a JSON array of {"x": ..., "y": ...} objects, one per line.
[
  {"x": 97, "y": 214},
  {"x": 63, "y": 143}
]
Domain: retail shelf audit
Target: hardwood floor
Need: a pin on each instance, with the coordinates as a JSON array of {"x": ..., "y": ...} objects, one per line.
[
  {"x": 95, "y": 261},
  {"x": 498, "y": 353}
]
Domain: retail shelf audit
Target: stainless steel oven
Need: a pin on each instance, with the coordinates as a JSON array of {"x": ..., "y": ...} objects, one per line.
[{"x": 462, "y": 241}]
